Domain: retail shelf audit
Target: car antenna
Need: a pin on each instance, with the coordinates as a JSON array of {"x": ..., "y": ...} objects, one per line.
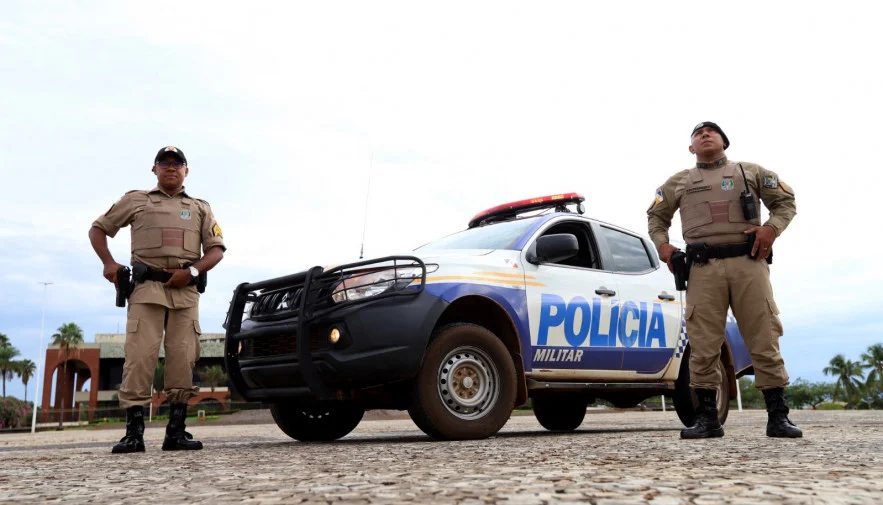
[{"x": 367, "y": 194}]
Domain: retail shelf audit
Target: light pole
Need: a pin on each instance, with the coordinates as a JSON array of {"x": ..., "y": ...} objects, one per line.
[{"x": 41, "y": 360}]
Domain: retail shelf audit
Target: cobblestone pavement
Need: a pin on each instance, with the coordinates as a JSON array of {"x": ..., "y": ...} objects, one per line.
[{"x": 614, "y": 458}]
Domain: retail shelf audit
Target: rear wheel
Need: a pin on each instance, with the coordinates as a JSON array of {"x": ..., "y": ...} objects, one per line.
[
  {"x": 466, "y": 386},
  {"x": 685, "y": 399},
  {"x": 560, "y": 412},
  {"x": 316, "y": 423}
]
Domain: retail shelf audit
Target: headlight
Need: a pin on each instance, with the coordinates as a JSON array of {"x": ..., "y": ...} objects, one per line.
[
  {"x": 246, "y": 312},
  {"x": 375, "y": 283}
]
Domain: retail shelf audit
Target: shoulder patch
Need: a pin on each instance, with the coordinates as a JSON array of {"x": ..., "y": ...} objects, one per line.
[
  {"x": 659, "y": 195},
  {"x": 786, "y": 188},
  {"x": 770, "y": 181}
]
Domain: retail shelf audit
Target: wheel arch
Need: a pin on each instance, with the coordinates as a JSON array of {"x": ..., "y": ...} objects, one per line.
[{"x": 488, "y": 313}]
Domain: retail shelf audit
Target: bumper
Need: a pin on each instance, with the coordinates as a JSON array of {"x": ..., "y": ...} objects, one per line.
[{"x": 382, "y": 338}]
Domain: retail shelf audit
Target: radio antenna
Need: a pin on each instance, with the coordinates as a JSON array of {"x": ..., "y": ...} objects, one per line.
[{"x": 367, "y": 194}]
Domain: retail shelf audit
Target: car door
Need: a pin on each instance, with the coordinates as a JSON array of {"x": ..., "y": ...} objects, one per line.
[
  {"x": 650, "y": 314},
  {"x": 570, "y": 310}
]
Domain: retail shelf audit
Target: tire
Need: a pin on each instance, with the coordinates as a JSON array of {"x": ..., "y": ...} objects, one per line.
[
  {"x": 685, "y": 399},
  {"x": 465, "y": 389},
  {"x": 316, "y": 423},
  {"x": 560, "y": 412}
]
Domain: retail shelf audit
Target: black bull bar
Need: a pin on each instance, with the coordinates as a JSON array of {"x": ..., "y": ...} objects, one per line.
[{"x": 312, "y": 302}]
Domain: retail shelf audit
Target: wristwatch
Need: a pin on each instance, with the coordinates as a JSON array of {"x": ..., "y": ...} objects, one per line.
[{"x": 194, "y": 272}]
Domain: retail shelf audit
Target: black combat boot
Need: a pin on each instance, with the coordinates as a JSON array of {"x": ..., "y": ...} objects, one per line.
[
  {"x": 778, "y": 424},
  {"x": 707, "y": 424},
  {"x": 134, "y": 439},
  {"x": 176, "y": 438}
]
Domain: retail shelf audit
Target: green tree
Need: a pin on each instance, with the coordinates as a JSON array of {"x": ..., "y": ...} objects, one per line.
[
  {"x": 68, "y": 339},
  {"x": 26, "y": 369},
  {"x": 7, "y": 363},
  {"x": 849, "y": 378},
  {"x": 802, "y": 393},
  {"x": 213, "y": 376},
  {"x": 4, "y": 340},
  {"x": 159, "y": 376},
  {"x": 873, "y": 361},
  {"x": 752, "y": 398}
]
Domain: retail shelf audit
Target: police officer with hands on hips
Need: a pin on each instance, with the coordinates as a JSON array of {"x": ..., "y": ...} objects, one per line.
[
  {"x": 728, "y": 256},
  {"x": 170, "y": 228}
]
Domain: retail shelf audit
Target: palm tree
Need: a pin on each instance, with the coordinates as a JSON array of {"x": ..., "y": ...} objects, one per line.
[
  {"x": 4, "y": 340},
  {"x": 7, "y": 365},
  {"x": 848, "y": 375},
  {"x": 68, "y": 339},
  {"x": 873, "y": 360},
  {"x": 25, "y": 370},
  {"x": 213, "y": 376}
]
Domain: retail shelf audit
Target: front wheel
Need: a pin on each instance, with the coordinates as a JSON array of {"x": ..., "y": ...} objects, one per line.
[
  {"x": 559, "y": 412},
  {"x": 685, "y": 399},
  {"x": 316, "y": 423},
  {"x": 466, "y": 386}
]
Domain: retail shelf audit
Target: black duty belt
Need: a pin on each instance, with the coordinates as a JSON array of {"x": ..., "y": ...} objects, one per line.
[
  {"x": 702, "y": 252},
  {"x": 152, "y": 274}
]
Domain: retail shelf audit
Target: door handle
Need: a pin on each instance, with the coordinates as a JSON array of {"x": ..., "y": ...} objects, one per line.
[
  {"x": 604, "y": 291},
  {"x": 666, "y": 296}
]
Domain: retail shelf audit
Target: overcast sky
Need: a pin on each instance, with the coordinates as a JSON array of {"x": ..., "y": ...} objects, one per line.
[{"x": 463, "y": 105}]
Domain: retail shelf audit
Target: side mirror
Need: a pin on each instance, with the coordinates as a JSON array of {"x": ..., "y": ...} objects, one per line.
[{"x": 553, "y": 248}]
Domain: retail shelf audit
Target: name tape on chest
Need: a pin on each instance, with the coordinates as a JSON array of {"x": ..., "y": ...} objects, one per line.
[{"x": 697, "y": 189}]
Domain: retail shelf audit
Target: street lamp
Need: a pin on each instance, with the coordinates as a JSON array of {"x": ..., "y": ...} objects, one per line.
[{"x": 41, "y": 360}]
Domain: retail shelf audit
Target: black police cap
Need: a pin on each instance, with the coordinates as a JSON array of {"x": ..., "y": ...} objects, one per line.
[
  {"x": 174, "y": 151},
  {"x": 713, "y": 126}
]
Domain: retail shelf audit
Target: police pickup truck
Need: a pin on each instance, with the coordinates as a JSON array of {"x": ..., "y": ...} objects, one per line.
[{"x": 532, "y": 301}]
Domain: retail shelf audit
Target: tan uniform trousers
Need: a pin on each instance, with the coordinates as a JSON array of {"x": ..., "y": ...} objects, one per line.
[
  {"x": 742, "y": 283},
  {"x": 144, "y": 333}
]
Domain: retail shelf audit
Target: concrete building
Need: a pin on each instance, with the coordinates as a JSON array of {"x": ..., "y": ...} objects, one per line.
[{"x": 95, "y": 371}]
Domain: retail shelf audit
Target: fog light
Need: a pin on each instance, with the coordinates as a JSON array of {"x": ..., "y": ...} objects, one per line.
[{"x": 334, "y": 336}]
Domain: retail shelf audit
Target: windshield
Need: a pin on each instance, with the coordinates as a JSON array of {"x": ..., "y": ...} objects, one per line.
[{"x": 494, "y": 236}]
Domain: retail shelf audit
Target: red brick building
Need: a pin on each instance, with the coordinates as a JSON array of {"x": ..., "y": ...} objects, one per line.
[{"x": 94, "y": 373}]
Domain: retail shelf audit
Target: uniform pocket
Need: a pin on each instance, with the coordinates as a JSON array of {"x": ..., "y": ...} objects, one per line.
[
  {"x": 132, "y": 325},
  {"x": 736, "y": 214},
  {"x": 191, "y": 241},
  {"x": 696, "y": 215},
  {"x": 198, "y": 347},
  {"x": 147, "y": 239},
  {"x": 776, "y": 328}
]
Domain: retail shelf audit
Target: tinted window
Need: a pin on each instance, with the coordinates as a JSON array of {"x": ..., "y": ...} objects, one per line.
[
  {"x": 629, "y": 254},
  {"x": 493, "y": 236},
  {"x": 586, "y": 258}
]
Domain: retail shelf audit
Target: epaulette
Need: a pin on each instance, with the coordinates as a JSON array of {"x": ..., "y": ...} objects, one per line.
[
  {"x": 134, "y": 190},
  {"x": 203, "y": 201}
]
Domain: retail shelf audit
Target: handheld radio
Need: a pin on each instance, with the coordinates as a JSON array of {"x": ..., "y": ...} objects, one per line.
[{"x": 749, "y": 207}]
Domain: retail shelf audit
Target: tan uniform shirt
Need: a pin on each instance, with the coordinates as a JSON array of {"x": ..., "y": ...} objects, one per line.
[
  {"x": 708, "y": 197},
  {"x": 167, "y": 232}
]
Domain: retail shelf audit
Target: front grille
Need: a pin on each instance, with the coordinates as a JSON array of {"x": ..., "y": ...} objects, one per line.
[
  {"x": 279, "y": 345},
  {"x": 277, "y": 302}
]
